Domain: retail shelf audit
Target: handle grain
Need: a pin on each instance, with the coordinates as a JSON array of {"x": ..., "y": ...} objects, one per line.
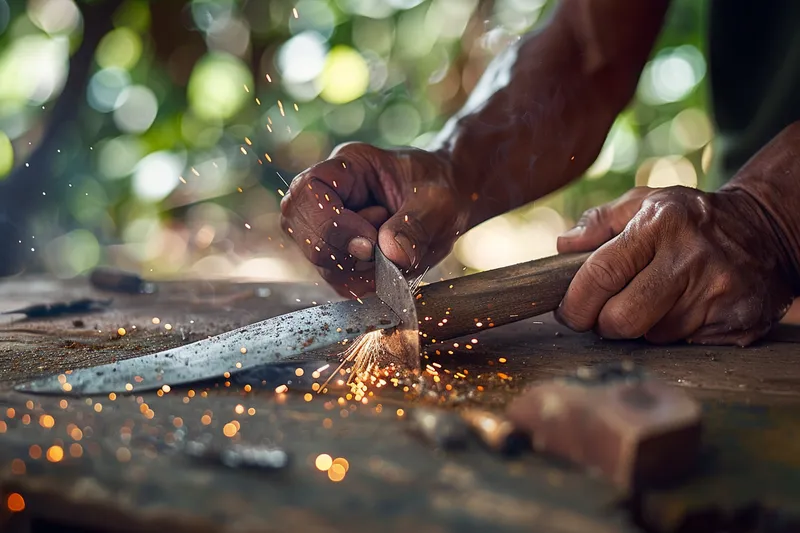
[{"x": 462, "y": 306}]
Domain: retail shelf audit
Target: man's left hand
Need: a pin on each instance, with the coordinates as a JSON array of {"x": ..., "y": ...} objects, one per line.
[{"x": 673, "y": 264}]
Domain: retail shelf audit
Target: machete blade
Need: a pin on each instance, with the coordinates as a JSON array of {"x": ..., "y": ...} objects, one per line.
[{"x": 265, "y": 342}]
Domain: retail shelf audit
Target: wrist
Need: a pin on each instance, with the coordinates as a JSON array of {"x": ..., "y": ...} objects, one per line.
[
  {"x": 770, "y": 181},
  {"x": 769, "y": 229}
]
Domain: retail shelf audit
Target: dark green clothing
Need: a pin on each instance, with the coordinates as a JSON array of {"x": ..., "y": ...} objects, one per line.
[{"x": 754, "y": 70}]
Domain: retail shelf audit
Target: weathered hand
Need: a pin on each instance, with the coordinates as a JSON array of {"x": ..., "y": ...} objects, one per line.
[
  {"x": 676, "y": 263},
  {"x": 404, "y": 200}
]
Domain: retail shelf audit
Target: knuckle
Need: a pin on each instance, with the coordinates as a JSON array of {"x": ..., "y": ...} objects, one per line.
[
  {"x": 668, "y": 209},
  {"x": 640, "y": 191},
  {"x": 619, "y": 322},
  {"x": 593, "y": 216},
  {"x": 603, "y": 275},
  {"x": 349, "y": 147},
  {"x": 721, "y": 283},
  {"x": 636, "y": 194},
  {"x": 288, "y": 205},
  {"x": 356, "y": 153},
  {"x": 681, "y": 203},
  {"x": 749, "y": 312},
  {"x": 299, "y": 186}
]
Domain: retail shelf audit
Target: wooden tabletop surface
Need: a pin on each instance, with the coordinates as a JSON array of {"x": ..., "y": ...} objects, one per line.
[{"x": 123, "y": 468}]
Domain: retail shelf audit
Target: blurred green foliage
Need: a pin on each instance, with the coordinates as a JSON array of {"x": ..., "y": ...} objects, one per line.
[{"x": 196, "y": 113}]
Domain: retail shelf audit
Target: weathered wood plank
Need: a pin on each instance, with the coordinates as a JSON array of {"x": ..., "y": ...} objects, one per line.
[{"x": 395, "y": 481}]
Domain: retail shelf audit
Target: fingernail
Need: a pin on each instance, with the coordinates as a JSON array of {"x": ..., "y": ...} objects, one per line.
[
  {"x": 405, "y": 244},
  {"x": 574, "y": 232},
  {"x": 361, "y": 248}
]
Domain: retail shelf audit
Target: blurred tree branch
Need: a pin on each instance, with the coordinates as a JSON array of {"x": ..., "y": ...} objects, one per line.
[{"x": 21, "y": 192}]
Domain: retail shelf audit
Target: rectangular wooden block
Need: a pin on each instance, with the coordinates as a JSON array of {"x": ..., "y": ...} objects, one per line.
[{"x": 633, "y": 429}]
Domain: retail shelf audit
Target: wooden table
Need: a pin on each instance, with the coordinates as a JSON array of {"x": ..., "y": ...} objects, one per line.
[{"x": 120, "y": 471}]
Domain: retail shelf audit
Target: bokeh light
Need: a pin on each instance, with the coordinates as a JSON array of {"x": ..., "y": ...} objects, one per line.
[
  {"x": 198, "y": 132},
  {"x": 117, "y": 157},
  {"x": 672, "y": 170},
  {"x": 54, "y": 16},
  {"x": 105, "y": 88},
  {"x": 691, "y": 129},
  {"x": 74, "y": 253},
  {"x": 345, "y": 119},
  {"x": 210, "y": 15},
  {"x": 518, "y": 15},
  {"x": 345, "y": 76},
  {"x": 376, "y": 35},
  {"x": 157, "y": 175},
  {"x": 672, "y": 75},
  {"x": 302, "y": 58},
  {"x": 182, "y": 136},
  {"x": 449, "y": 18},
  {"x": 317, "y": 16},
  {"x": 400, "y": 123},
  {"x": 232, "y": 37},
  {"x": 619, "y": 153},
  {"x": 6, "y": 155},
  {"x": 121, "y": 48},
  {"x": 377, "y": 9},
  {"x": 38, "y": 66},
  {"x": 510, "y": 239},
  {"x": 136, "y": 109},
  {"x": 216, "y": 87}
]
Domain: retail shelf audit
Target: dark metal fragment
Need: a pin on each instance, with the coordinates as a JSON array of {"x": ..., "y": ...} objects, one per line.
[
  {"x": 442, "y": 429},
  {"x": 85, "y": 305},
  {"x": 240, "y": 456},
  {"x": 114, "y": 280}
]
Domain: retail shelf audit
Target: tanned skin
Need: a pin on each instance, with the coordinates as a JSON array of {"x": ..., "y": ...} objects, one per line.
[{"x": 669, "y": 264}]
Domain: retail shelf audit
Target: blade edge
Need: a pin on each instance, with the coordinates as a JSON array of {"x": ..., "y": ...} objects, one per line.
[{"x": 251, "y": 346}]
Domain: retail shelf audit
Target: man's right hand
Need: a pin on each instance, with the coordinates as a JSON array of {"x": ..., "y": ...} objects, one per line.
[
  {"x": 535, "y": 121},
  {"x": 403, "y": 200}
]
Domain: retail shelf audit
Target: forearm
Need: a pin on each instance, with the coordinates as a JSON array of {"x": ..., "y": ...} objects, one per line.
[
  {"x": 771, "y": 180},
  {"x": 541, "y": 112}
]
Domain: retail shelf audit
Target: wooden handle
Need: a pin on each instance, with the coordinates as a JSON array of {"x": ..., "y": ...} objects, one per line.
[{"x": 462, "y": 306}]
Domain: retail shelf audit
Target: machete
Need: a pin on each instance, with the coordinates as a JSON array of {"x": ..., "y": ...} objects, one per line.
[
  {"x": 268, "y": 342},
  {"x": 434, "y": 313}
]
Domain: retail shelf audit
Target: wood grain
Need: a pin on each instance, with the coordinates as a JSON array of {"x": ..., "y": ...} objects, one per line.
[
  {"x": 454, "y": 308},
  {"x": 396, "y": 482}
]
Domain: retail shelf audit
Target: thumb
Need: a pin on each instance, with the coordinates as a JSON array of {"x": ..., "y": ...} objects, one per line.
[
  {"x": 406, "y": 237},
  {"x": 599, "y": 225}
]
